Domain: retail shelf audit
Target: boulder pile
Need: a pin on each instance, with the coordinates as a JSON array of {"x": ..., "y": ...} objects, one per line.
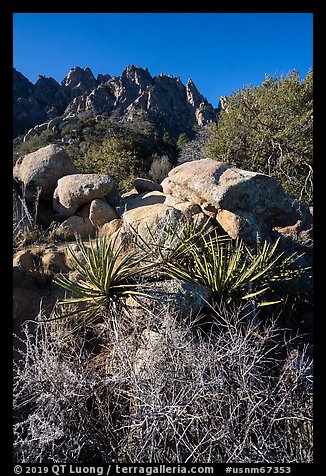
[{"x": 242, "y": 204}]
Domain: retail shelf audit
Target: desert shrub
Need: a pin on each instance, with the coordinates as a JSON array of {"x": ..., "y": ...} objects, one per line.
[
  {"x": 79, "y": 423},
  {"x": 116, "y": 156},
  {"x": 106, "y": 278},
  {"x": 27, "y": 227},
  {"x": 231, "y": 269},
  {"x": 239, "y": 392},
  {"x": 268, "y": 128},
  {"x": 182, "y": 140},
  {"x": 167, "y": 139},
  {"x": 35, "y": 143},
  {"x": 160, "y": 167},
  {"x": 234, "y": 271},
  {"x": 194, "y": 148}
]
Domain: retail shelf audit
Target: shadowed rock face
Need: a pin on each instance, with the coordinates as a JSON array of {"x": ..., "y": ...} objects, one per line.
[
  {"x": 22, "y": 87},
  {"x": 163, "y": 100}
]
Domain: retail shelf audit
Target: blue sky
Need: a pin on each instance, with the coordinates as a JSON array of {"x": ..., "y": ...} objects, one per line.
[{"x": 221, "y": 52}]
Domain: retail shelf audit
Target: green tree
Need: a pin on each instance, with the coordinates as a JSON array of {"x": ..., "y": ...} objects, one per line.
[
  {"x": 167, "y": 138},
  {"x": 116, "y": 156},
  {"x": 35, "y": 143},
  {"x": 160, "y": 167},
  {"x": 182, "y": 140},
  {"x": 268, "y": 128}
]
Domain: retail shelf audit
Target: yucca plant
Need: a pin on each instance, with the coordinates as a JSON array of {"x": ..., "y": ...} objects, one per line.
[
  {"x": 107, "y": 277},
  {"x": 234, "y": 271},
  {"x": 168, "y": 247}
]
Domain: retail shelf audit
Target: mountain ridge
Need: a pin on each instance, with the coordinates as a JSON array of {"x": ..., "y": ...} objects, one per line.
[{"x": 163, "y": 100}]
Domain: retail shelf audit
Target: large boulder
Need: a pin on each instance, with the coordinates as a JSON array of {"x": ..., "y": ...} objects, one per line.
[
  {"x": 75, "y": 190},
  {"x": 41, "y": 170},
  {"x": 217, "y": 186},
  {"x": 180, "y": 297},
  {"x": 136, "y": 200},
  {"x": 144, "y": 218}
]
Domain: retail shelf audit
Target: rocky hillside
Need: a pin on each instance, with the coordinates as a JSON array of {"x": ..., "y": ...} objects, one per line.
[
  {"x": 163, "y": 100},
  {"x": 241, "y": 204},
  {"x": 162, "y": 297},
  {"x": 175, "y": 310}
]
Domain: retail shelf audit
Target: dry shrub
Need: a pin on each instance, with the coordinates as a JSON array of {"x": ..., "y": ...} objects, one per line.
[{"x": 163, "y": 390}]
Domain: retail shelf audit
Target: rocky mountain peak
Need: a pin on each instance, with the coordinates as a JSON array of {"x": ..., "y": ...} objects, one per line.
[
  {"x": 135, "y": 79},
  {"x": 162, "y": 100},
  {"x": 77, "y": 82},
  {"x": 23, "y": 88},
  {"x": 103, "y": 78},
  {"x": 193, "y": 95},
  {"x": 45, "y": 90},
  {"x": 77, "y": 75}
]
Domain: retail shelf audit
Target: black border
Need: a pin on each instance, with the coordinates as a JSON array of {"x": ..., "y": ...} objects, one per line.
[{"x": 6, "y": 63}]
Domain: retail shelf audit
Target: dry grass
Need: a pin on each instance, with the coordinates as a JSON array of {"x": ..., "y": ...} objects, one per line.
[
  {"x": 163, "y": 390},
  {"x": 26, "y": 226}
]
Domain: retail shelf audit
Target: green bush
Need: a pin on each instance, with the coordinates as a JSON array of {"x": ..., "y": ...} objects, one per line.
[
  {"x": 35, "y": 143},
  {"x": 182, "y": 140},
  {"x": 116, "y": 156},
  {"x": 106, "y": 278},
  {"x": 268, "y": 128},
  {"x": 160, "y": 168},
  {"x": 232, "y": 270}
]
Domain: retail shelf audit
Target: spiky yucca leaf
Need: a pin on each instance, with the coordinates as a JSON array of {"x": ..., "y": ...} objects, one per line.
[
  {"x": 106, "y": 277},
  {"x": 233, "y": 271},
  {"x": 169, "y": 245}
]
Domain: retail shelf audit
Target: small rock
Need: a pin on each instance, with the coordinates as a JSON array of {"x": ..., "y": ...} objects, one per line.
[
  {"x": 111, "y": 227},
  {"x": 24, "y": 259},
  {"x": 101, "y": 212},
  {"x": 145, "y": 185},
  {"x": 75, "y": 225},
  {"x": 188, "y": 208},
  {"x": 54, "y": 262},
  {"x": 240, "y": 224},
  {"x": 166, "y": 186}
]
